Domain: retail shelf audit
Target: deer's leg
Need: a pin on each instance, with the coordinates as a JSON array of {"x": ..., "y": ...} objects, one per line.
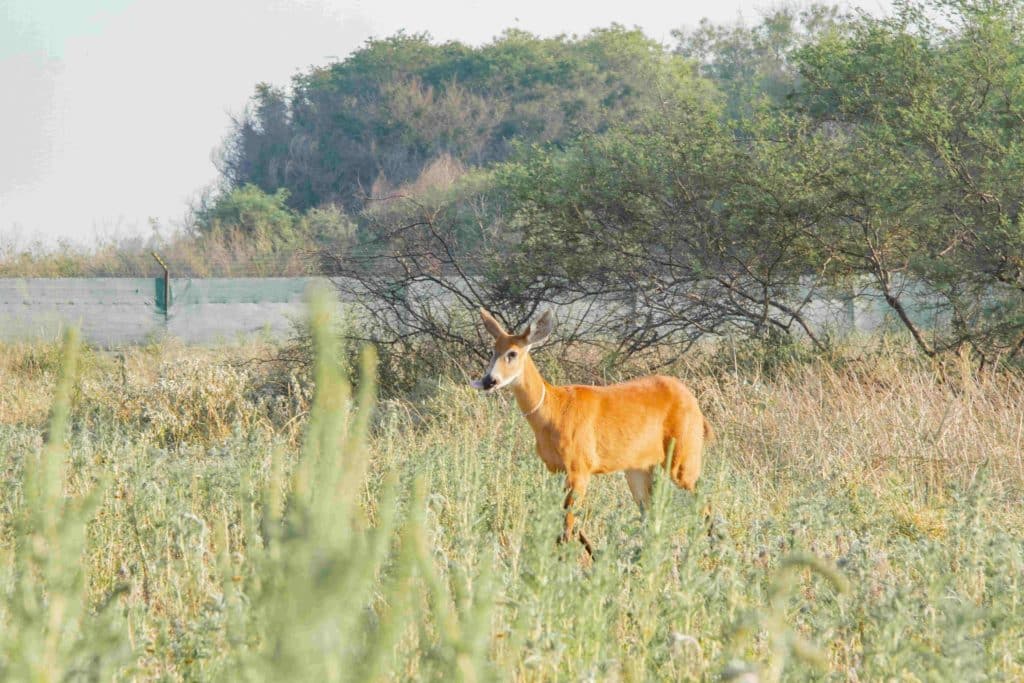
[
  {"x": 639, "y": 482},
  {"x": 576, "y": 489}
]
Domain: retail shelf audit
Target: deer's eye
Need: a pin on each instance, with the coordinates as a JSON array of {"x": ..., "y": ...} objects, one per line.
[{"x": 511, "y": 355}]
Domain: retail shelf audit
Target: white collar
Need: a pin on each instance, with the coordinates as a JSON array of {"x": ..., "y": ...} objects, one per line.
[{"x": 543, "y": 393}]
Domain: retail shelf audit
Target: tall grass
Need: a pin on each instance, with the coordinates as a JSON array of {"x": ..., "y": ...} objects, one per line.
[
  {"x": 178, "y": 514},
  {"x": 51, "y": 633}
]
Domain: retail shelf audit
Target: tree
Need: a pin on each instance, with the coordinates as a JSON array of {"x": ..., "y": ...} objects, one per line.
[
  {"x": 393, "y": 106},
  {"x": 256, "y": 151},
  {"x": 249, "y": 211},
  {"x": 698, "y": 225},
  {"x": 926, "y": 108},
  {"x": 751, "y": 63}
]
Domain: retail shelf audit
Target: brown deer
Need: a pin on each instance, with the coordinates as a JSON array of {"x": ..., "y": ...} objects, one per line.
[{"x": 585, "y": 430}]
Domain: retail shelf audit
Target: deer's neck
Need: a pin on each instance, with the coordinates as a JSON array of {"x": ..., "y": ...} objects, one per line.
[{"x": 533, "y": 393}]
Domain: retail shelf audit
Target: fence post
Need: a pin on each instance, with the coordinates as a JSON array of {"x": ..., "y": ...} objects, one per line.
[{"x": 167, "y": 285}]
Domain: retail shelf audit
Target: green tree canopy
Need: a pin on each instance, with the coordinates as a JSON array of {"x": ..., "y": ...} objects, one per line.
[{"x": 394, "y": 105}]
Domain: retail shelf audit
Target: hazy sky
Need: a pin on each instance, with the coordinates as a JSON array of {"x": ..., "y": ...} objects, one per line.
[{"x": 113, "y": 108}]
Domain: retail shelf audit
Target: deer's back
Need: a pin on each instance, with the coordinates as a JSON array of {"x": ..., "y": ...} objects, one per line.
[{"x": 620, "y": 426}]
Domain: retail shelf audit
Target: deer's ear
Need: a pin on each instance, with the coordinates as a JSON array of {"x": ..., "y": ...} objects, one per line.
[
  {"x": 540, "y": 329},
  {"x": 493, "y": 326}
]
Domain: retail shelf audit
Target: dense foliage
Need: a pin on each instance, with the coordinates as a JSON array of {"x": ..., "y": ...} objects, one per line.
[
  {"x": 926, "y": 110},
  {"x": 375, "y": 119}
]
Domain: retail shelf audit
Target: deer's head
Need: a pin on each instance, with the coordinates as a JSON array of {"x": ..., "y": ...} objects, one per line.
[{"x": 511, "y": 350}]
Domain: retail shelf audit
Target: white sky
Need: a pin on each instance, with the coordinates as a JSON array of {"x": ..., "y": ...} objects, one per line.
[{"x": 113, "y": 108}]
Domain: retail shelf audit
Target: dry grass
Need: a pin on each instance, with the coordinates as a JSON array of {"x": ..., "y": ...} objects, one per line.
[
  {"x": 225, "y": 254},
  {"x": 865, "y": 524}
]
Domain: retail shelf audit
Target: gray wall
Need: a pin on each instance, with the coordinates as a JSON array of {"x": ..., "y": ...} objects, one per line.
[{"x": 115, "y": 311}]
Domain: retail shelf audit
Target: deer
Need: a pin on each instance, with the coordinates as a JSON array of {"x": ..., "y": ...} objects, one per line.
[{"x": 582, "y": 430}]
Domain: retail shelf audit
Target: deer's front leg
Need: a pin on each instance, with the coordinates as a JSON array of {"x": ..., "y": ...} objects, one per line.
[{"x": 576, "y": 489}]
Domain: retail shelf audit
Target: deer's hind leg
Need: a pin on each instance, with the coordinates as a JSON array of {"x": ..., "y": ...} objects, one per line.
[{"x": 684, "y": 445}]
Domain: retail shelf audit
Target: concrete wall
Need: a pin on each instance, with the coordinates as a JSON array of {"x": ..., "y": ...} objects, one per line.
[
  {"x": 217, "y": 309},
  {"x": 109, "y": 311},
  {"x": 116, "y": 311}
]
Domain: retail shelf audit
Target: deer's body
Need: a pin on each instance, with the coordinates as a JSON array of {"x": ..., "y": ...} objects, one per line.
[{"x": 585, "y": 430}]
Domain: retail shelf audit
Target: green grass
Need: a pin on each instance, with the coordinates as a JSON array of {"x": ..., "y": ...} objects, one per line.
[{"x": 174, "y": 514}]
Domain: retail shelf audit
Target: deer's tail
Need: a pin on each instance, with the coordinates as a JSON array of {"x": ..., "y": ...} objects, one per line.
[{"x": 709, "y": 433}]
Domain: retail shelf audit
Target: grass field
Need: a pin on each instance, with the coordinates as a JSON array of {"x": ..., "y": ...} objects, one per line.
[{"x": 171, "y": 513}]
